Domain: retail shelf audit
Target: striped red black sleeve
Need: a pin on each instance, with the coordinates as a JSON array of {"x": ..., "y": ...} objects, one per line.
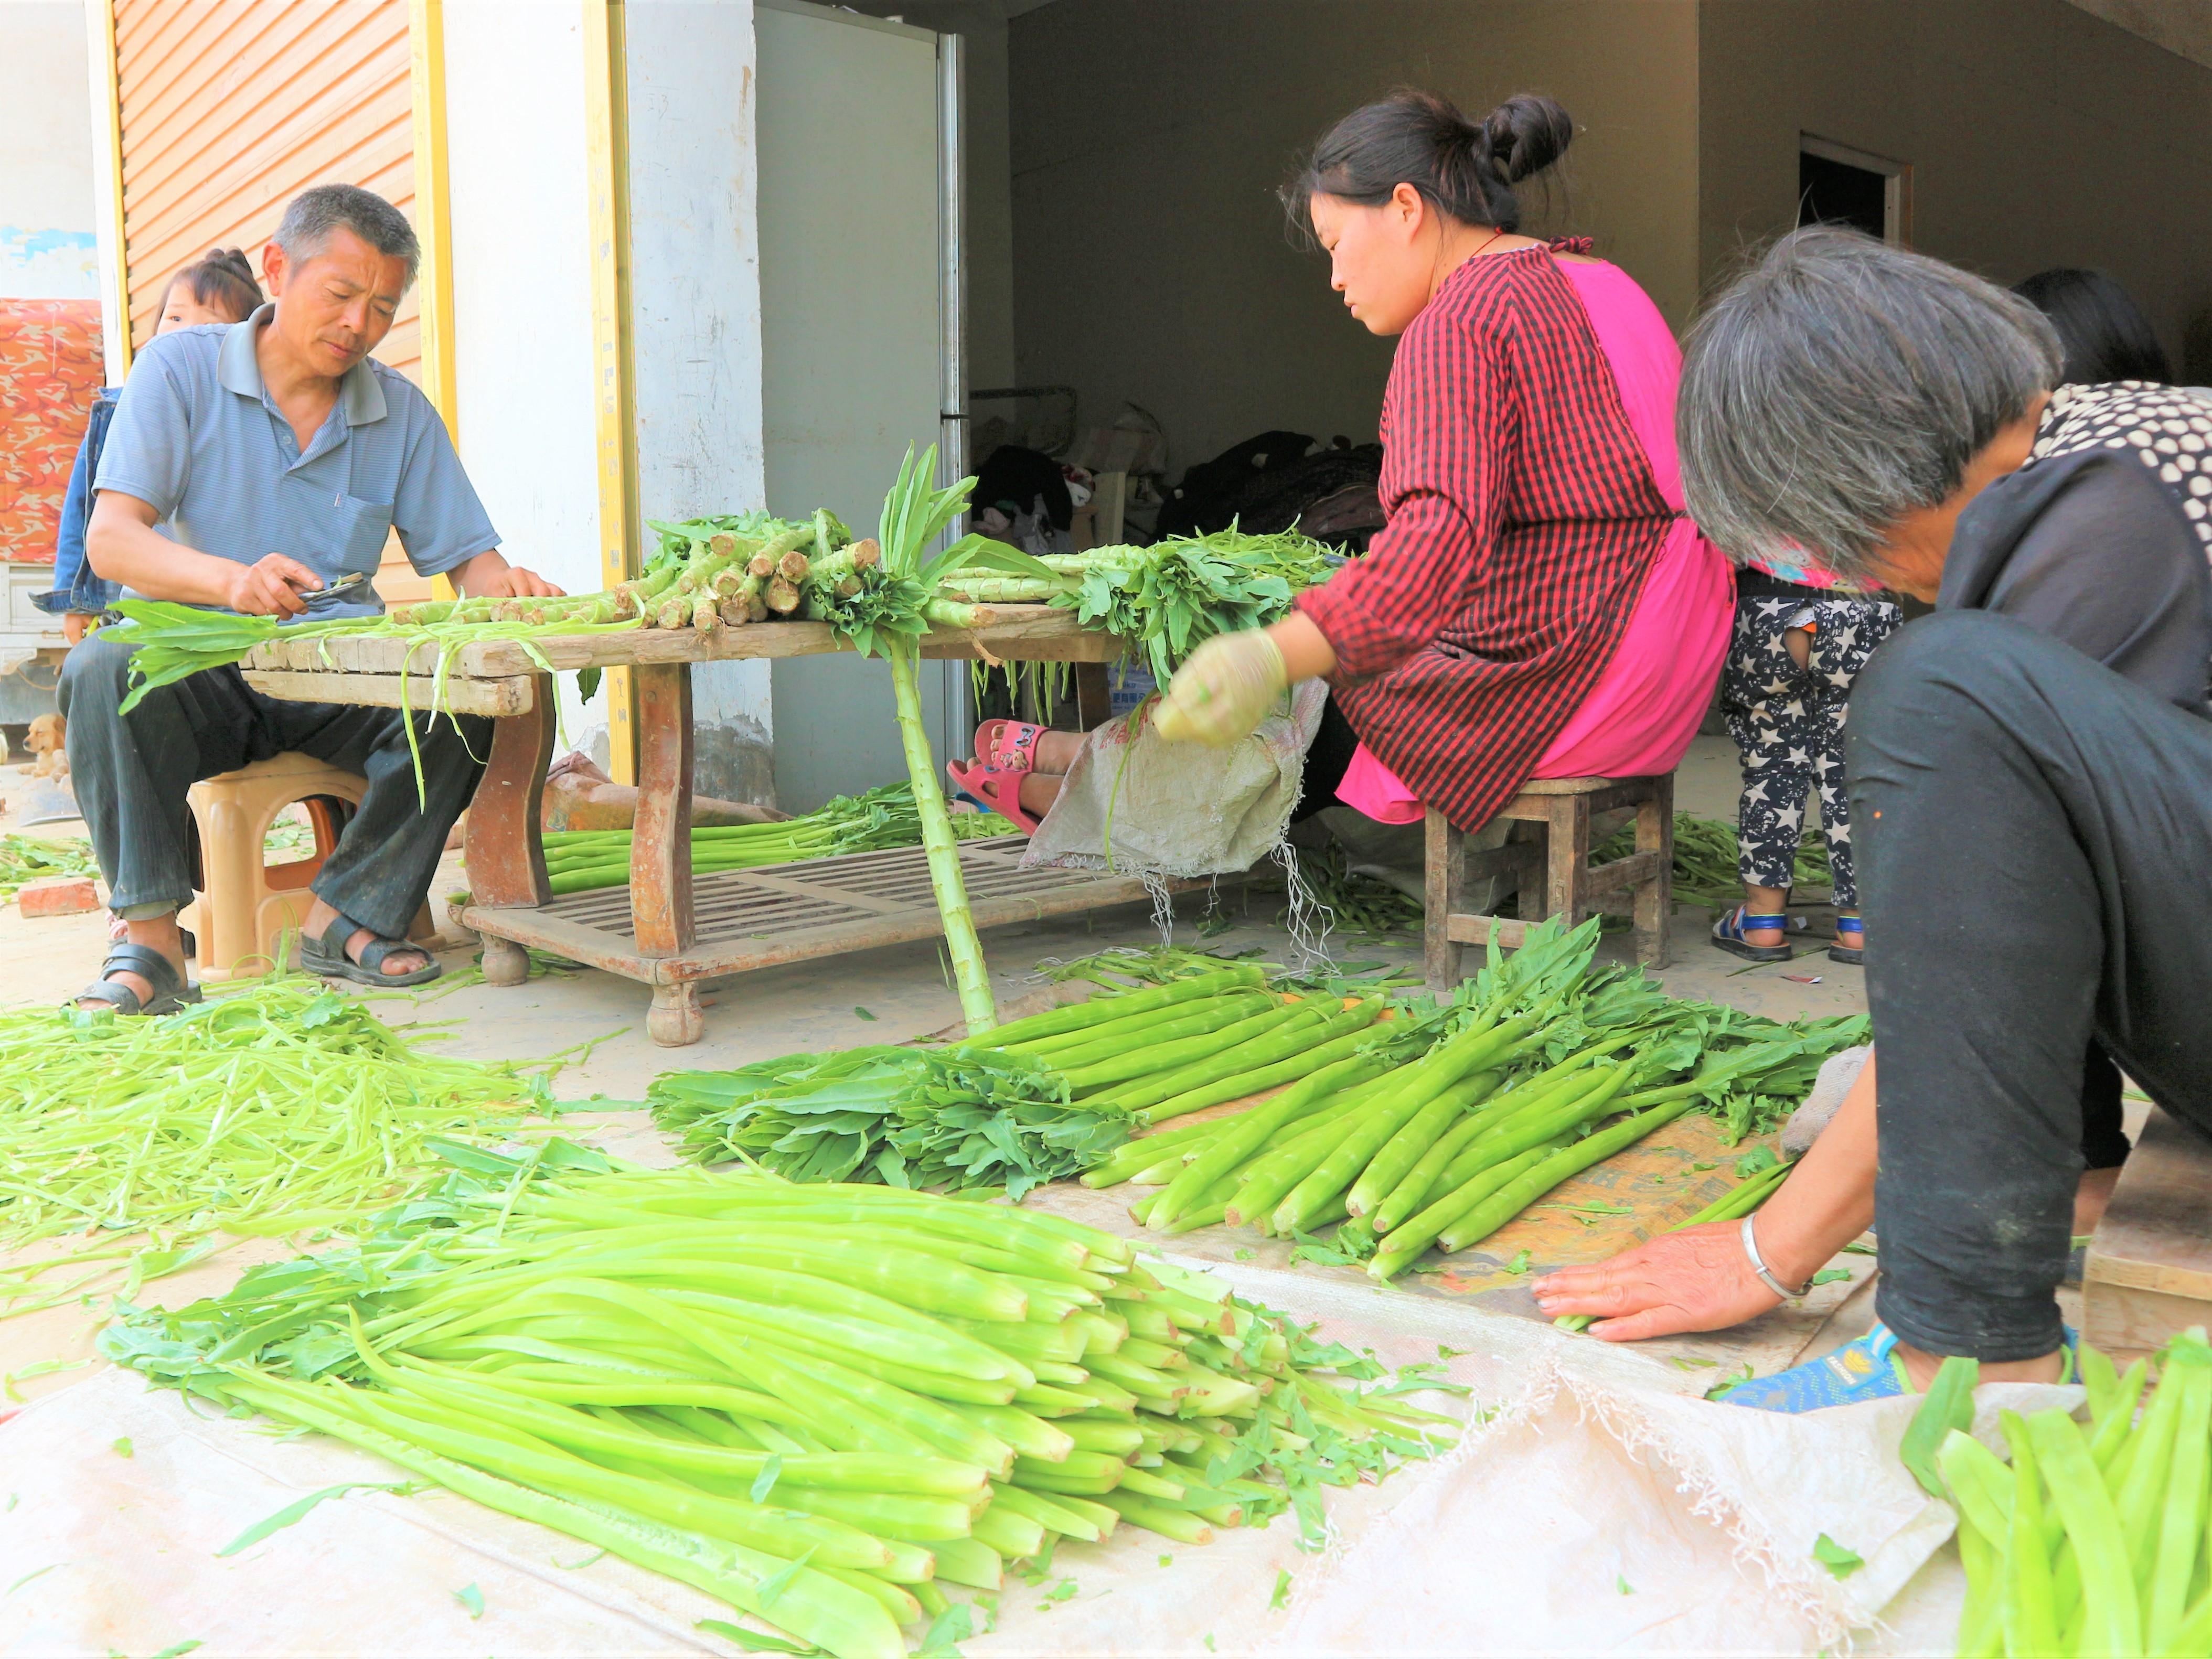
[{"x": 1448, "y": 432}]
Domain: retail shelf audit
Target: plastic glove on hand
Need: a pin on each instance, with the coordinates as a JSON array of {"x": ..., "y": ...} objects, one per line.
[{"x": 1226, "y": 689}]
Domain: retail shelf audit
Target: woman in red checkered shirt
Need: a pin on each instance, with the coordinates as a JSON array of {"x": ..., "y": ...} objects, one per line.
[{"x": 1538, "y": 606}]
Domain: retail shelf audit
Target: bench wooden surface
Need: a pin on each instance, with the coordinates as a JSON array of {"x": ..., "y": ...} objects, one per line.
[{"x": 2149, "y": 1271}]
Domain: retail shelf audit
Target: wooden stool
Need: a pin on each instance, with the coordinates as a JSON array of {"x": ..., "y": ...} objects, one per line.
[
  {"x": 1555, "y": 870},
  {"x": 2149, "y": 1273},
  {"x": 244, "y": 906}
]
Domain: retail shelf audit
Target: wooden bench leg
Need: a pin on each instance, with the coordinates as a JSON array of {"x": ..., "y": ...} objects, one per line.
[
  {"x": 1654, "y": 899},
  {"x": 503, "y": 843},
  {"x": 660, "y": 844},
  {"x": 1444, "y": 892},
  {"x": 505, "y": 963},
  {"x": 1566, "y": 858},
  {"x": 674, "y": 1020}
]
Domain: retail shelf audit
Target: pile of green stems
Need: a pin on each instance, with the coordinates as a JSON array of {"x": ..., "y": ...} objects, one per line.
[
  {"x": 26, "y": 859},
  {"x": 1706, "y": 868},
  {"x": 2093, "y": 1540},
  {"x": 1443, "y": 1149},
  {"x": 1161, "y": 1054},
  {"x": 580, "y": 860},
  {"x": 820, "y": 1404},
  {"x": 275, "y": 1110}
]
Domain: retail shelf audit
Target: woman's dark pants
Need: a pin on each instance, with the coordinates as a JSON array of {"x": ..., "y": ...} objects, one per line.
[{"x": 2035, "y": 843}]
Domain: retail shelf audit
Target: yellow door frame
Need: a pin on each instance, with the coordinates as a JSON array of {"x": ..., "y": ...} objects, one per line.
[
  {"x": 112, "y": 90},
  {"x": 433, "y": 221},
  {"x": 606, "y": 139}
]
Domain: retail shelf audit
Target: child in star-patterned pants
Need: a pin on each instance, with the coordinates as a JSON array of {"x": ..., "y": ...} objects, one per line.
[{"x": 1792, "y": 657}]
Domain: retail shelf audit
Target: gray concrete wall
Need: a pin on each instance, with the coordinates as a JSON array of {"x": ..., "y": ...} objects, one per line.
[
  {"x": 2039, "y": 134},
  {"x": 1149, "y": 258}
]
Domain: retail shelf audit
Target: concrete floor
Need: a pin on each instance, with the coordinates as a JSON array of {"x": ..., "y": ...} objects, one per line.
[{"x": 818, "y": 1005}]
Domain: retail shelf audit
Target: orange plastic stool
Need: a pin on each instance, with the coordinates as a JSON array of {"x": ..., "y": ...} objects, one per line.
[{"x": 246, "y": 906}]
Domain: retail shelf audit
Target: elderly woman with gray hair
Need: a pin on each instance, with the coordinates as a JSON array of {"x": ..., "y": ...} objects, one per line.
[{"x": 2030, "y": 780}]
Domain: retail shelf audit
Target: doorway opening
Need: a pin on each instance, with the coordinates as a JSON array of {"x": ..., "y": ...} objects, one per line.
[{"x": 1839, "y": 186}]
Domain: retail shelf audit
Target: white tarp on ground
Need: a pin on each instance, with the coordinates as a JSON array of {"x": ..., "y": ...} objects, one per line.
[{"x": 1594, "y": 1470}]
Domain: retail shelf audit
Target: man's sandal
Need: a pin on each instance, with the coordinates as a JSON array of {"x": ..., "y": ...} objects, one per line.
[
  {"x": 1728, "y": 934},
  {"x": 172, "y": 991},
  {"x": 1853, "y": 952},
  {"x": 329, "y": 957}
]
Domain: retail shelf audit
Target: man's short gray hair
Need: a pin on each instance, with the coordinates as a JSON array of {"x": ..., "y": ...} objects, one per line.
[
  {"x": 1840, "y": 384},
  {"x": 313, "y": 215}
]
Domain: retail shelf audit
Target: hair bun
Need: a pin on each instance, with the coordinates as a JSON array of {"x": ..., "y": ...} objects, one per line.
[{"x": 1526, "y": 134}]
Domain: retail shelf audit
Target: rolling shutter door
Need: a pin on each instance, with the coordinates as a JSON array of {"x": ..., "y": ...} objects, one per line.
[{"x": 229, "y": 109}]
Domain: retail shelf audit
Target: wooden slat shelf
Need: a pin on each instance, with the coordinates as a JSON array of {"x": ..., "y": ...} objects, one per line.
[
  {"x": 665, "y": 929},
  {"x": 749, "y": 919}
]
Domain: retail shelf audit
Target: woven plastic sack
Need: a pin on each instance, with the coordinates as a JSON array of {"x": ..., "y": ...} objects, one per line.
[{"x": 1133, "y": 802}]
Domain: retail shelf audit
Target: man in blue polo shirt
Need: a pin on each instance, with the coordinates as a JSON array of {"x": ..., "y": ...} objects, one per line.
[{"x": 257, "y": 467}]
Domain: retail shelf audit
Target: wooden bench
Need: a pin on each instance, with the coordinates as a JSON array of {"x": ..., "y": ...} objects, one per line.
[
  {"x": 1553, "y": 875},
  {"x": 2149, "y": 1271}
]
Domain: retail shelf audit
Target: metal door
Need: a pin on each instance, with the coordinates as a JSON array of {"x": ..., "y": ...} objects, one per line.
[{"x": 859, "y": 322}]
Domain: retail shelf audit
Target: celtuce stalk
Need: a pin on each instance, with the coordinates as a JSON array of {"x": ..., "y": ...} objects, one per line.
[{"x": 818, "y": 1403}]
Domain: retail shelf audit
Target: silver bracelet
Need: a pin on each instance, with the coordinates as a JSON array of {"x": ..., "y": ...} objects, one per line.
[{"x": 1751, "y": 1249}]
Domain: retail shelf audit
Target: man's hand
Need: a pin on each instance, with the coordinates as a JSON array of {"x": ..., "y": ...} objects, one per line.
[
  {"x": 1699, "y": 1279},
  {"x": 490, "y": 576},
  {"x": 1222, "y": 693},
  {"x": 271, "y": 587}
]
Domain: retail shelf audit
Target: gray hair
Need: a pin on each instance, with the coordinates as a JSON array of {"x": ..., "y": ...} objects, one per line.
[
  {"x": 313, "y": 215},
  {"x": 1840, "y": 384}
]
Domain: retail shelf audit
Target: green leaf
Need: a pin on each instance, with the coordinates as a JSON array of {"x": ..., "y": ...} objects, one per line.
[
  {"x": 1838, "y": 1560},
  {"x": 39, "y": 1573},
  {"x": 471, "y": 1598},
  {"x": 862, "y": 1012},
  {"x": 773, "y": 1587},
  {"x": 578, "y": 1566},
  {"x": 1622, "y": 1585},
  {"x": 178, "y": 1649},
  {"x": 1947, "y": 1405},
  {"x": 764, "y": 1482},
  {"x": 122, "y": 1447},
  {"x": 1167, "y": 1561},
  {"x": 1831, "y": 1275},
  {"x": 1518, "y": 1265},
  {"x": 291, "y": 1513},
  {"x": 588, "y": 684},
  {"x": 1759, "y": 1157},
  {"x": 1282, "y": 1596},
  {"x": 751, "y": 1641},
  {"x": 956, "y": 1624}
]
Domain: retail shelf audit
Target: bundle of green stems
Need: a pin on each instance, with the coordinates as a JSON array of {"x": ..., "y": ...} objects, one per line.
[
  {"x": 1554, "y": 1069},
  {"x": 822, "y": 1404},
  {"x": 580, "y": 860},
  {"x": 2093, "y": 1538}
]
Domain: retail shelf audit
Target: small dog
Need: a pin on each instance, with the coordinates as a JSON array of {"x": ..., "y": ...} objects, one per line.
[{"x": 48, "y": 741}]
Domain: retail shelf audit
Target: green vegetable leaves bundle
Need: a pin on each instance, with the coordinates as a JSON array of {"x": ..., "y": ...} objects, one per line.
[
  {"x": 963, "y": 1119},
  {"x": 1173, "y": 595}
]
